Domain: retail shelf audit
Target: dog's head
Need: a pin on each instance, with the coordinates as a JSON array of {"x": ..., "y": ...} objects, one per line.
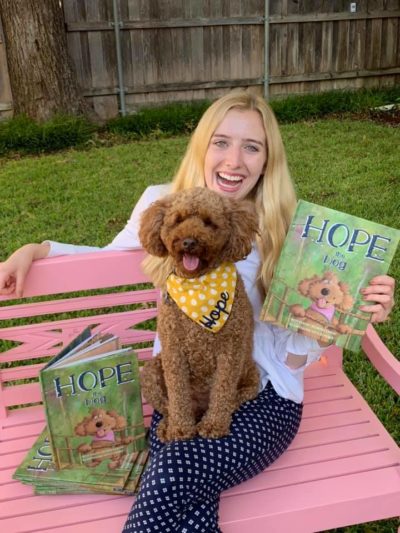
[
  {"x": 326, "y": 290},
  {"x": 99, "y": 423},
  {"x": 199, "y": 230}
]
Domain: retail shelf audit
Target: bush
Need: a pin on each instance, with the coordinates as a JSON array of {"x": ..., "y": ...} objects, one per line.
[
  {"x": 19, "y": 133},
  {"x": 173, "y": 119},
  {"x": 312, "y": 106},
  {"x": 62, "y": 132},
  {"x": 177, "y": 119},
  {"x": 23, "y": 134}
]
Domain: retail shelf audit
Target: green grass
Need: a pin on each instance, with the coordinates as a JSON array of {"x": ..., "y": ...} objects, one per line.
[{"x": 85, "y": 197}]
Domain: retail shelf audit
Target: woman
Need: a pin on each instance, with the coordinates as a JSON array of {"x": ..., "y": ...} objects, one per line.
[{"x": 237, "y": 151}]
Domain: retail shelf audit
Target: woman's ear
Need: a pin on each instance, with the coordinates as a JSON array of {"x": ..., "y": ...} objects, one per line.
[
  {"x": 243, "y": 220},
  {"x": 151, "y": 223}
]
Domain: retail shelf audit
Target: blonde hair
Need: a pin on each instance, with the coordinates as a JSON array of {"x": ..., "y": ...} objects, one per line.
[{"x": 273, "y": 195}]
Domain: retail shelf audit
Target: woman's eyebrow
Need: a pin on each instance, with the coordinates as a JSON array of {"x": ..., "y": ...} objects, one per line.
[{"x": 221, "y": 135}]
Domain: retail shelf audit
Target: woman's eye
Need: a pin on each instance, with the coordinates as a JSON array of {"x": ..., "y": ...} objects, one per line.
[
  {"x": 251, "y": 148},
  {"x": 220, "y": 144}
]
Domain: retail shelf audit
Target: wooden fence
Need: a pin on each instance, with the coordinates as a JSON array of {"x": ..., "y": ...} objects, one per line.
[{"x": 177, "y": 50}]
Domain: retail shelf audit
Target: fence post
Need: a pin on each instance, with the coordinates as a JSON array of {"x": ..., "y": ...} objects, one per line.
[
  {"x": 266, "y": 50},
  {"x": 121, "y": 88}
]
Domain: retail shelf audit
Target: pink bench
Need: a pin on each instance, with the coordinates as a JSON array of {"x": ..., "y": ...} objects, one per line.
[{"x": 343, "y": 467}]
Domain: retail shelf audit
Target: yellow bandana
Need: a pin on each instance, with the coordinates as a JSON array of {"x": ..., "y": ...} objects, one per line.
[{"x": 208, "y": 299}]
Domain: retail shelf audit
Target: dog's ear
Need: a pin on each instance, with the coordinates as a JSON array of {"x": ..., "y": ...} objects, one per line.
[
  {"x": 348, "y": 300},
  {"x": 331, "y": 276},
  {"x": 347, "y": 303},
  {"x": 150, "y": 227},
  {"x": 304, "y": 285},
  {"x": 120, "y": 421},
  {"x": 244, "y": 226},
  {"x": 80, "y": 429}
]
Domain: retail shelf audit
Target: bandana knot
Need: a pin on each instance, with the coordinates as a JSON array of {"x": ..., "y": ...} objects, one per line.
[{"x": 206, "y": 300}]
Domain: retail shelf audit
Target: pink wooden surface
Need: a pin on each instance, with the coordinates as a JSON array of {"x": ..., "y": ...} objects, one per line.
[
  {"x": 82, "y": 272},
  {"x": 342, "y": 468},
  {"x": 382, "y": 358}
]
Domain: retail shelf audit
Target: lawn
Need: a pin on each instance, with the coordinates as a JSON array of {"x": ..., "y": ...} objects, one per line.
[{"x": 86, "y": 196}]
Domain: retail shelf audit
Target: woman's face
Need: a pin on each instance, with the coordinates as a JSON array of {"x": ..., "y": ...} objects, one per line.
[{"x": 236, "y": 155}]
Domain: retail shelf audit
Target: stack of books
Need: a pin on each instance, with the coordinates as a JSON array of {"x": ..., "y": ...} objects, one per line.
[{"x": 95, "y": 439}]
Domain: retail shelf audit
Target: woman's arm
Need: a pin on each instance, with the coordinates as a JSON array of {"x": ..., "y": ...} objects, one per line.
[{"x": 14, "y": 270}]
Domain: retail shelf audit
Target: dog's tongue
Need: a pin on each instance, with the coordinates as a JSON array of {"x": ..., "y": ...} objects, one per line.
[
  {"x": 321, "y": 302},
  {"x": 190, "y": 262},
  {"x": 101, "y": 433}
]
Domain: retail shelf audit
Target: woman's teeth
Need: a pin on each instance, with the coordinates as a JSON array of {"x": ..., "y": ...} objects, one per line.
[
  {"x": 229, "y": 177},
  {"x": 229, "y": 182}
]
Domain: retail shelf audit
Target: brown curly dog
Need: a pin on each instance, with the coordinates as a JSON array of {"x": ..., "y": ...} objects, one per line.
[
  {"x": 328, "y": 294},
  {"x": 100, "y": 425},
  {"x": 201, "y": 377}
]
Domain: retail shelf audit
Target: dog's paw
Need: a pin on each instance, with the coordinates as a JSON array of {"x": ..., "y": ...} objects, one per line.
[
  {"x": 210, "y": 429},
  {"x": 84, "y": 448},
  {"x": 162, "y": 430},
  {"x": 246, "y": 395},
  {"x": 127, "y": 440},
  {"x": 93, "y": 463},
  {"x": 167, "y": 432},
  {"x": 297, "y": 310},
  {"x": 114, "y": 463},
  {"x": 343, "y": 329}
]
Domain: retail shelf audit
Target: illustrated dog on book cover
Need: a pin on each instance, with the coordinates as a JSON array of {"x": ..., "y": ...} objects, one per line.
[
  {"x": 205, "y": 322},
  {"x": 327, "y": 294},
  {"x": 102, "y": 426}
]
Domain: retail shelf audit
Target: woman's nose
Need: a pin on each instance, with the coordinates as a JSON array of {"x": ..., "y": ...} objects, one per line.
[{"x": 234, "y": 157}]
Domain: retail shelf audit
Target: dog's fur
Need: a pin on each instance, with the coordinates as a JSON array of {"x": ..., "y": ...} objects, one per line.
[
  {"x": 327, "y": 289},
  {"x": 200, "y": 378}
]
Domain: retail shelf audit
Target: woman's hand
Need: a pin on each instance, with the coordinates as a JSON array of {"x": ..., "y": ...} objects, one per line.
[
  {"x": 381, "y": 291},
  {"x": 13, "y": 271}
]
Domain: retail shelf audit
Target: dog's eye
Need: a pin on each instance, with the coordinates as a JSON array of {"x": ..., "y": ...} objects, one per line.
[
  {"x": 177, "y": 219},
  {"x": 208, "y": 222}
]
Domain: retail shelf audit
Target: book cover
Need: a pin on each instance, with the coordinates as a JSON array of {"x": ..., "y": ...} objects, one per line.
[
  {"x": 93, "y": 407},
  {"x": 133, "y": 482},
  {"x": 38, "y": 469},
  {"x": 327, "y": 257}
]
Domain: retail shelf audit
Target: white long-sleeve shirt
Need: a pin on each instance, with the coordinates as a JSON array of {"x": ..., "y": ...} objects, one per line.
[{"x": 271, "y": 343}]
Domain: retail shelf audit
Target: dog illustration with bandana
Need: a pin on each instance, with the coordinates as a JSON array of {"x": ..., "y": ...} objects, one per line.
[{"x": 327, "y": 295}]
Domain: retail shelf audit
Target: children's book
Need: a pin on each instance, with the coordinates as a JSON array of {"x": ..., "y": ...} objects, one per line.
[
  {"x": 38, "y": 469},
  {"x": 135, "y": 477},
  {"x": 327, "y": 258},
  {"x": 92, "y": 400}
]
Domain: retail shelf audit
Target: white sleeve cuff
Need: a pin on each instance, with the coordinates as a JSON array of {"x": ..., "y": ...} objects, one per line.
[
  {"x": 300, "y": 344},
  {"x": 59, "y": 248}
]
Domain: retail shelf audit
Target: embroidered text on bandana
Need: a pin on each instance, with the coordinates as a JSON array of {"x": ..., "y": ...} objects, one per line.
[{"x": 208, "y": 299}]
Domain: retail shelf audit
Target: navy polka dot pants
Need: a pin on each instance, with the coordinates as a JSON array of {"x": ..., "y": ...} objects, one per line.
[{"x": 181, "y": 487}]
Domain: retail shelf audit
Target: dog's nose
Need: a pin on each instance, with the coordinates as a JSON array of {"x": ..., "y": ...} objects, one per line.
[
  {"x": 99, "y": 424},
  {"x": 324, "y": 292},
  {"x": 188, "y": 244}
]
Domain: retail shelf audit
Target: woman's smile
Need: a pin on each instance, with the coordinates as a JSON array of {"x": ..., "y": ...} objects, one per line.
[{"x": 229, "y": 182}]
